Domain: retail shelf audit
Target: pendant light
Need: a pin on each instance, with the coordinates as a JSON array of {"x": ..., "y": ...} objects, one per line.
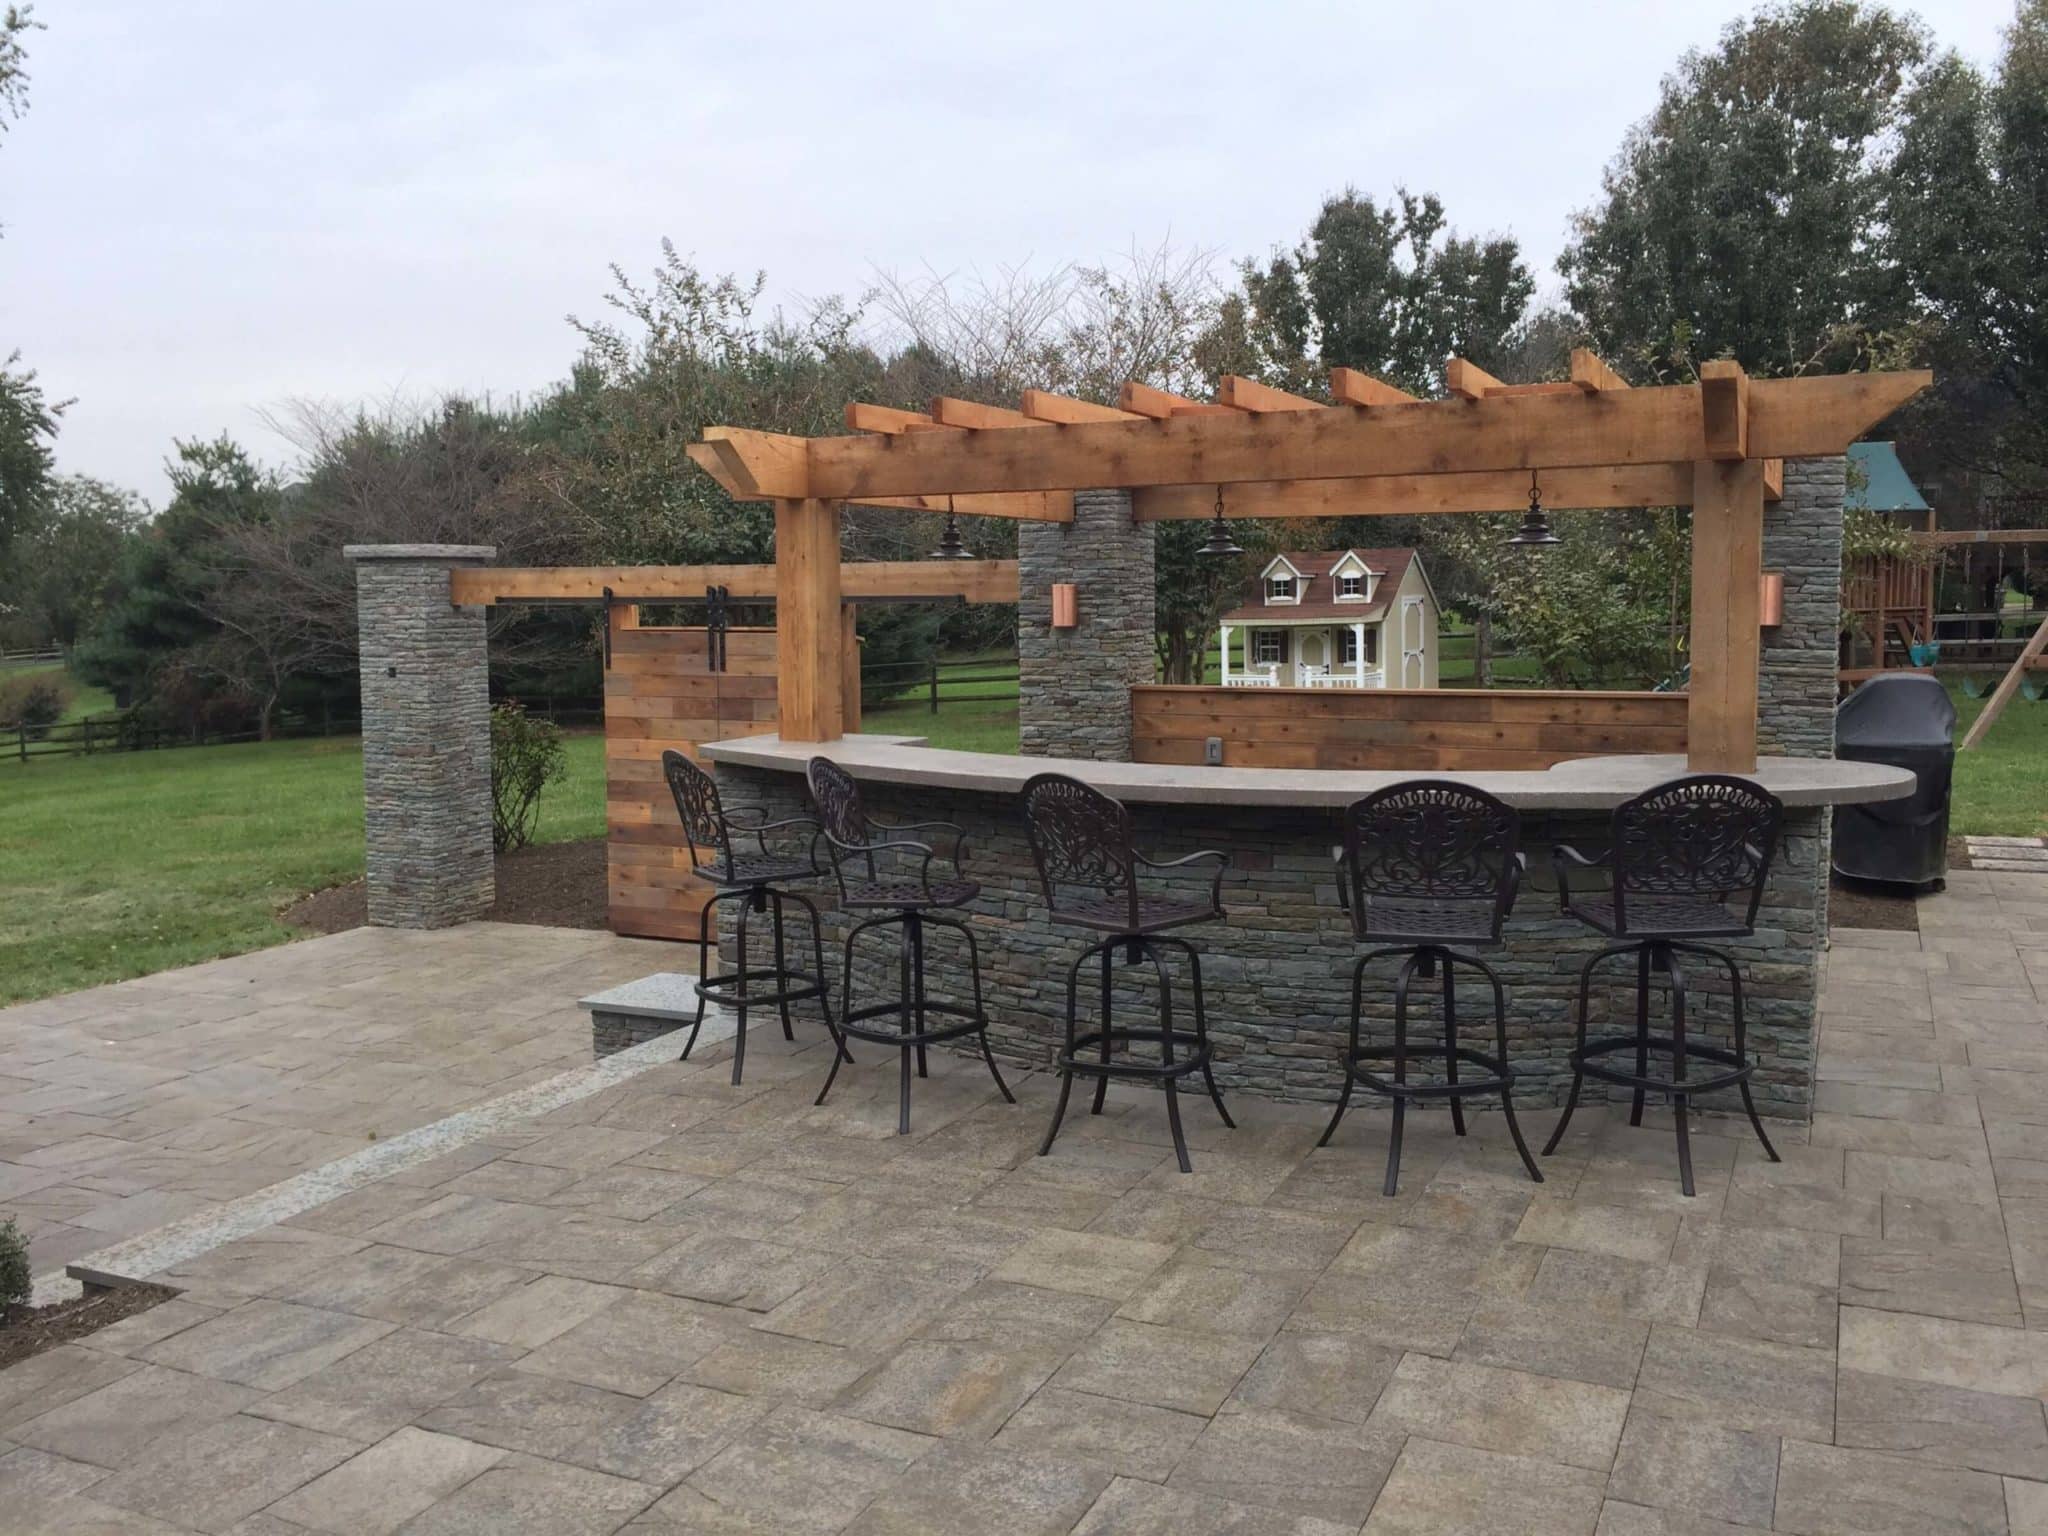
[
  {"x": 1220, "y": 543},
  {"x": 1535, "y": 530},
  {"x": 951, "y": 545}
]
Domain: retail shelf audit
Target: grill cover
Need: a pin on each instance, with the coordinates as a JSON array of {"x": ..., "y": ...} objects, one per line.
[{"x": 1904, "y": 720}]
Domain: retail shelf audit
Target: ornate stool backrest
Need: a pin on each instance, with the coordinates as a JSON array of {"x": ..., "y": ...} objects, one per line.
[
  {"x": 1442, "y": 851},
  {"x": 702, "y": 813},
  {"x": 1081, "y": 838},
  {"x": 1705, "y": 837}
]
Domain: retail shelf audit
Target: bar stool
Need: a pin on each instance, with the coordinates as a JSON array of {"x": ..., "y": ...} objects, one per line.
[
  {"x": 1085, "y": 848},
  {"x": 757, "y": 881},
  {"x": 1428, "y": 864},
  {"x": 1681, "y": 852},
  {"x": 892, "y": 876}
]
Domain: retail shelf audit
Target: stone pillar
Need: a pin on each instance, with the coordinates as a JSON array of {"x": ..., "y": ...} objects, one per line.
[
  {"x": 1074, "y": 685},
  {"x": 1796, "y": 694},
  {"x": 426, "y": 736},
  {"x": 1796, "y": 673}
]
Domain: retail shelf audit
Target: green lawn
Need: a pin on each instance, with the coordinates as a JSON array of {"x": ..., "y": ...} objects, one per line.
[
  {"x": 85, "y": 698},
  {"x": 118, "y": 865},
  {"x": 2002, "y": 785}
]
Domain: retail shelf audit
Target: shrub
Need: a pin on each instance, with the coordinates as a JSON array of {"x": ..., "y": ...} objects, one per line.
[
  {"x": 525, "y": 755},
  {"x": 14, "y": 1276},
  {"x": 36, "y": 702}
]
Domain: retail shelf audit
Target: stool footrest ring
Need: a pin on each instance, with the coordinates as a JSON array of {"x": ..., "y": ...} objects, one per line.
[
  {"x": 792, "y": 986},
  {"x": 1198, "y": 1054},
  {"x": 1590, "y": 1060},
  {"x": 1498, "y": 1074},
  {"x": 855, "y": 1024}
]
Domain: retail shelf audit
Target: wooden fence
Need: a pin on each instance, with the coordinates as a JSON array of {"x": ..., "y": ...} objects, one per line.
[{"x": 1440, "y": 728}]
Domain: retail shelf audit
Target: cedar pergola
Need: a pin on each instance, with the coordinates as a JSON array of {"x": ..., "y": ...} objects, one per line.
[{"x": 1593, "y": 442}]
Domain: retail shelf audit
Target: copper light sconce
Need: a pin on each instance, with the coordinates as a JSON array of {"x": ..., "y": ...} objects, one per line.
[
  {"x": 1066, "y": 609},
  {"x": 1771, "y": 600}
]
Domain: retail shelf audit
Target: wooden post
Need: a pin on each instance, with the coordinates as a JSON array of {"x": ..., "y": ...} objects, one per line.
[
  {"x": 849, "y": 660},
  {"x": 2007, "y": 687},
  {"x": 807, "y": 620},
  {"x": 1727, "y": 586}
]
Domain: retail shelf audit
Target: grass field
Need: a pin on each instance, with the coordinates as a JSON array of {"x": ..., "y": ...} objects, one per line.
[{"x": 123, "y": 864}]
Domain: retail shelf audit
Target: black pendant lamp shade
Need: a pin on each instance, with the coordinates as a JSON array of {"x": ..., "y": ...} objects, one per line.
[
  {"x": 1220, "y": 542},
  {"x": 1535, "y": 530},
  {"x": 951, "y": 546}
]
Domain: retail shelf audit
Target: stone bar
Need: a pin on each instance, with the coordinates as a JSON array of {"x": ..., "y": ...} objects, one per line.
[
  {"x": 425, "y": 672},
  {"x": 1278, "y": 970}
]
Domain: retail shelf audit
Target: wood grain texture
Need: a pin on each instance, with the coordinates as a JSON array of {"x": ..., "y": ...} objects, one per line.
[
  {"x": 1423, "y": 729},
  {"x": 1727, "y": 583},
  {"x": 807, "y": 622},
  {"x": 659, "y": 693}
]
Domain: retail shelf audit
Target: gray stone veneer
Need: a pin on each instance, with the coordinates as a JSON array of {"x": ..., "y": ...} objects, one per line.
[
  {"x": 1796, "y": 676},
  {"x": 1074, "y": 685},
  {"x": 426, "y": 737},
  {"x": 1277, "y": 972}
]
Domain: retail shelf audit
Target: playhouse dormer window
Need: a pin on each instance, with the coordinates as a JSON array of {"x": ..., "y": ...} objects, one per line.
[
  {"x": 1279, "y": 589},
  {"x": 1351, "y": 585}
]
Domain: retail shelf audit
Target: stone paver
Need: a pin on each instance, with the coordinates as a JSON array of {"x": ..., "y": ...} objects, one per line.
[{"x": 672, "y": 1307}]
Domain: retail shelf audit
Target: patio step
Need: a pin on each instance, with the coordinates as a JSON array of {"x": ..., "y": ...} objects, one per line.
[{"x": 2028, "y": 855}]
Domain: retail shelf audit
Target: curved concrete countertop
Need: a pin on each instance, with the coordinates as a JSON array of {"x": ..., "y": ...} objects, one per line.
[{"x": 1585, "y": 783}]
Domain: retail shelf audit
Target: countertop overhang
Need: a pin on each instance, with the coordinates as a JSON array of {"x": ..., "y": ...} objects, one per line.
[{"x": 1582, "y": 784}]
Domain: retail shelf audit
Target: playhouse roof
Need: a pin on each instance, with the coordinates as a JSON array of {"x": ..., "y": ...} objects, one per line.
[
  {"x": 1885, "y": 487},
  {"x": 1318, "y": 592}
]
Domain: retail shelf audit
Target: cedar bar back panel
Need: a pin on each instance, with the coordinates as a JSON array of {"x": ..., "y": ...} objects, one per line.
[
  {"x": 1422, "y": 729},
  {"x": 660, "y": 693}
]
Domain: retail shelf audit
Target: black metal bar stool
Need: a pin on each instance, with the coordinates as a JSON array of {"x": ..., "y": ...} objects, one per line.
[
  {"x": 1429, "y": 864},
  {"x": 757, "y": 882},
  {"x": 1085, "y": 848},
  {"x": 1682, "y": 851},
  {"x": 892, "y": 876}
]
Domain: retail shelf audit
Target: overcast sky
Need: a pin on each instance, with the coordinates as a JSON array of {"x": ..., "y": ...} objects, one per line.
[{"x": 216, "y": 206}]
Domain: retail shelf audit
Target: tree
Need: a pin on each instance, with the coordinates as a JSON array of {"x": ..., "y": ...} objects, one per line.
[
  {"x": 1744, "y": 216},
  {"x": 16, "y": 22},
  {"x": 63, "y": 570},
  {"x": 1969, "y": 220},
  {"x": 28, "y": 427},
  {"x": 1390, "y": 291},
  {"x": 1596, "y": 611},
  {"x": 145, "y": 643}
]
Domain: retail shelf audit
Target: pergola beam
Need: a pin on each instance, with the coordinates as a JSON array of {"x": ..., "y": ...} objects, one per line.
[
  {"x": 1593, "y": 375},
  {"x": 1017, "y": 506},
  {"x": 1350, "y": 387},
  {"x": 976, "y": 581},
  {"x": 1064, "y": 410},
  {"x": 1469, "y": 381},
  {"x": 1646, "y": 485},
  {"x": 1242, "y": 394},
  {"x": 948, "y": 412},
  {"x": 884, "y": 419},
  {"x": 1787, "y": 418},
  {"x": 1724, "y": 405}
]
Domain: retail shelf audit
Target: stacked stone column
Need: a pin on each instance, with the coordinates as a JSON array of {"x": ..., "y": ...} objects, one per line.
[
  {"x": 1074, "y": 685},
  {"x": 426, "y": 736}
]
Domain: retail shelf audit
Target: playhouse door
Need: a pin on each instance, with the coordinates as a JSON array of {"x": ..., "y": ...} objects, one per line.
[{"x": 1413, "y": 668}]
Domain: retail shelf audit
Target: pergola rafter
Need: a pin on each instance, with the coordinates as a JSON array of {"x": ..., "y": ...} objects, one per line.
[{"x": 1589, "y": 441}]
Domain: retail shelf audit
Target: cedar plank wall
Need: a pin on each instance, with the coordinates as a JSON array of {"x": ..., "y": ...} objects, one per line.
[
  {"x": 1446, "y": 728},
  {"x": 658, "y": 695}
]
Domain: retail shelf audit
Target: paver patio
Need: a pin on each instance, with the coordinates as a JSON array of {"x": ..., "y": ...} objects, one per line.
[{"x": 675, "y": 1306}]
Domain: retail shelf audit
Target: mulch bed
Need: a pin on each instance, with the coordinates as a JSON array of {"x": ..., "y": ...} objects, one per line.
[
  {"x": 1867, "y": 904},
  {"x": 560, "y": 885},
  {"x": 32, "y": 1330}
]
